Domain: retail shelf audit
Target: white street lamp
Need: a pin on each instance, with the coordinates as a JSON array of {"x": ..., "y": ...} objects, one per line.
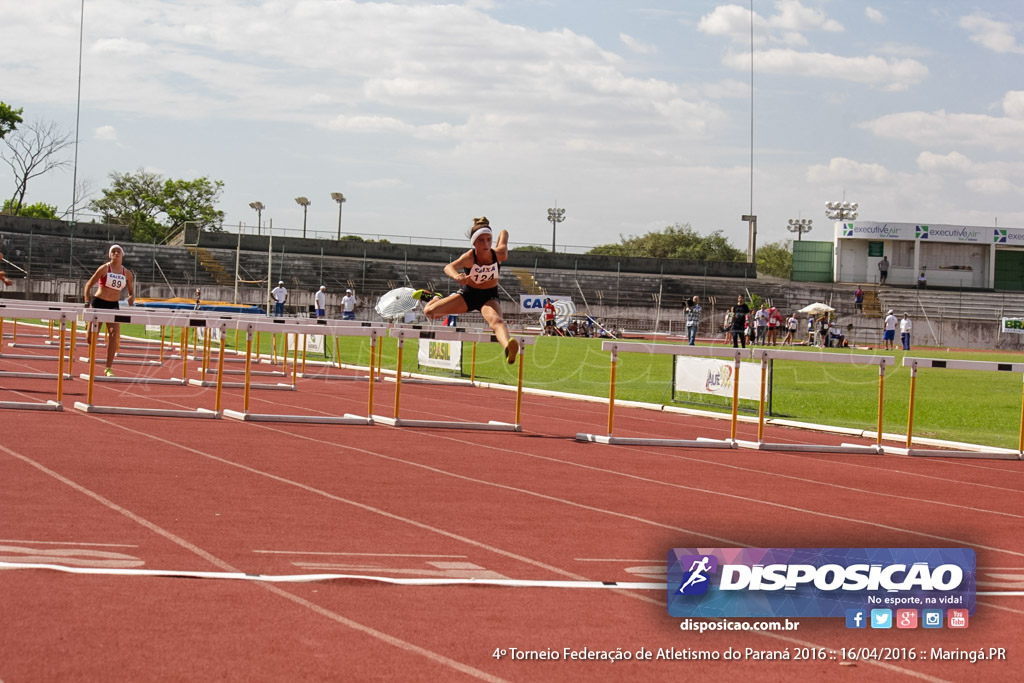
[
  {"x": 259, "y": 215},
  {"x": 304, "y": 203},
  {"x": 340, "y": 198}
]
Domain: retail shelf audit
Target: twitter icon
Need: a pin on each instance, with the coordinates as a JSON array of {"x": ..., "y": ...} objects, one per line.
[{"x": 881, "y": 618}]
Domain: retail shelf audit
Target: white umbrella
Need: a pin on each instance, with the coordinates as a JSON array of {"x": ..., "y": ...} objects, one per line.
[{"x": 817, "y": 309}]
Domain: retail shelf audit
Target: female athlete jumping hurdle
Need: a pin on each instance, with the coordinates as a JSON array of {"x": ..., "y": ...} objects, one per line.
[{"x": 478, "y": 278}]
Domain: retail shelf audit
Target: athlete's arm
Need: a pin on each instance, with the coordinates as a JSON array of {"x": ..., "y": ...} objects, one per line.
[
  {"x": 92, "y": 281},
  {"x": 501, "y": 246}
]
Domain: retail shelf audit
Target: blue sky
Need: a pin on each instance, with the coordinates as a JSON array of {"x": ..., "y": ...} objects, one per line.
[{"x": 631, "y": 116}]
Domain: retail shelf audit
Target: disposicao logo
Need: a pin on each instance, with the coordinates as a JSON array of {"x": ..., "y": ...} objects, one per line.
[{"x": 817, "y": 582}]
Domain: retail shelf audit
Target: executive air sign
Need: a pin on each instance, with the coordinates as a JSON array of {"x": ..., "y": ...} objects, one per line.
[
  {"x": 964, "y": 234},
  {"x": 816, "y": 582}
]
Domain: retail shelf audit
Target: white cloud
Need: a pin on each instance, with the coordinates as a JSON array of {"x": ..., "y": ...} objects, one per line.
[
  {"x": 944, "y": 130},
  {"x": 994, "y": 35},
  {"x": 105, "y": 133},
  {"x": 840, "y": 170},
  {"x": 874, "y": 15},
  {"x": 791, "y": 18},
  {"x": 938, "y": 163},
  {"x": 1013, "y": 104},
  {"x": 119, "y": 46},
  {"x": 636, "y": 46},
  {"x": 992, "y": 186},
  {"x": 888, "y": 74}
]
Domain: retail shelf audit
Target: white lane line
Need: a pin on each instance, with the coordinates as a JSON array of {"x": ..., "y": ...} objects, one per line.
[
  {"x": 611, "y": 559},
  {"x": 217, "y": 562},
  {"x": 317, "y": 552},
  {"x": 76, "y": 543}
]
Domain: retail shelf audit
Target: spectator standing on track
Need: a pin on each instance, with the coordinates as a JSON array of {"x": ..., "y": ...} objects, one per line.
[
  {"x": 760, "y": 324},
  {"x": 791, "y": 326},
  {"x": 824, "y": 341},
  {"x": 320, "y": 302},
  {"x": 889, "y": 331},
  {"x": 199, "y": 299},
  {"x": 549, "y": 318},
  {"x": 810, "y": 329},
  {"x": 883, "y": 270},
  {"x": 922, "y": 281},
  {"x": 727, "y": 327},
  {"x": 739, "y": 321},
  {"x": 280, "y": 296},
  {"x": 858, "y": 299},
  {"x": 348, "y": 305},
  {"x": 693, "y": 310},
  {"x": 774, "y": 322},
  {"x": 110, "y": 280},
  {"x": 906, "y": 325}
]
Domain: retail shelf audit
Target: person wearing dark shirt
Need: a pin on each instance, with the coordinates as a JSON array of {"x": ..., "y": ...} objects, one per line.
[{"x": 739, "y": 320}]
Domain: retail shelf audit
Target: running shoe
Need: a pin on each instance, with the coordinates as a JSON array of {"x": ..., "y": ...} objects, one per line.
[
  {"x": 511, "y": 351},
  {"x": 108, "y": 372},
  {"x": 425, "y": 295}
]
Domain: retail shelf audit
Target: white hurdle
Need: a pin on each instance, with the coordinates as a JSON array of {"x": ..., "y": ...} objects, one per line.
[
  {"x": 943, "y": 364},
  {"x": 453, "y": 334},
  {"x": 767, "y": 355},
  {"x": 340, "y": 328},
  {"x": 98, "y": 316},
  {"x": 736, "y": 355},
  {"x": 50, "y": 313}
]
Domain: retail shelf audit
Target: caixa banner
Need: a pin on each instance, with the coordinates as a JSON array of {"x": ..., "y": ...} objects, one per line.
[{"x": 816, "y": 582}]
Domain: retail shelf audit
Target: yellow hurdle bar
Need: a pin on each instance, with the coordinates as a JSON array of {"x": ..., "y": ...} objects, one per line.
[{"x": 611, "y": 391}]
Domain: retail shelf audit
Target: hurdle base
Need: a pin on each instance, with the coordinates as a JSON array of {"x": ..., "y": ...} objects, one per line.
[
  {"x": 24, "y": 405},
  {"x": 453, "y": 382},
  {"x": 936, "y": 453},
  {"x": 36, "y": 375},
  {"x": 850, "y": 448},
  {"x": 241, "y": 385},
  {"x": 492, "y": 425},
  {"x": 350, "y": 378},
  {"x": 347, "y": 419},
  {"x": 133, "y": 380},
  {"x": 118, "y": 361},
  {"x": 644, "y": 441},
  {"x": 150, "y": 412}
]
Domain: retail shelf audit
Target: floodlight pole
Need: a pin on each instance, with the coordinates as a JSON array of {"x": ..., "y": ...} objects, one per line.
[
  {"x": 556, "y": 216},
  {"x": 258, "y": 206},
  {"x": 340, "y": 198},
  {"x": 799, "y": 226},
  {"x": 751, "y": 237},
  {"x": 304, "y": 203}
]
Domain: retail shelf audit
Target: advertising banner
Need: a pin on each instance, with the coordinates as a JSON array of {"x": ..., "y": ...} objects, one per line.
[
  {"x": 314, "y": 343},
  {"x": 440, "y": 354},
  {"x": 820, "y": 582},
  {"x": 534, "y": 303},
  {"x": 715, "y": 376},
  {"x": 1012, "y": 326}
]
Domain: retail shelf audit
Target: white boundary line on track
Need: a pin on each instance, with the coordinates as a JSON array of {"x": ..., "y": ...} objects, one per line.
[{"x": 310, "y": 578}]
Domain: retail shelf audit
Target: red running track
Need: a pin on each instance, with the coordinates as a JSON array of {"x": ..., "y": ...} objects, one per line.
[{"x": 227, "y": 496}]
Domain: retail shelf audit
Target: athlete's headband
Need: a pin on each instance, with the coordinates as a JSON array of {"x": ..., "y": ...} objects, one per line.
[
  {"x": 477, "y": 233},
  {"x": 110, "y": 252}
]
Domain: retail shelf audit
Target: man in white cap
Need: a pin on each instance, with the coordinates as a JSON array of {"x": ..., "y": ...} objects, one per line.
[
  {"x": 348, "y": 306},
  {"x": 906, "y": 325},
  {"x": 280, "y": 296},
  {"x": 320, "y": 299},
  {"x": 889, "y": 333}
]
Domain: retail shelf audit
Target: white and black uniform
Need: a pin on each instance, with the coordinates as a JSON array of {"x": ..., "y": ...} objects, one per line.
[{"x": 481, "y": 274}]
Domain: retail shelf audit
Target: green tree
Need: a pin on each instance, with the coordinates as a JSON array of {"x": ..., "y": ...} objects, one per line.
[
  {"x": 37, "y": 210},
  {"x": 133, "y": 199},
  {"x": 154, "y": 207},
  {"x": 192, "y": 201},
  {"x": 9, "y": 119},
  {"x": 532, "y": 248},
  {"x": 34, "y": 150},
  {"x": 677, "y": 241},
  {"x": 776, "y": 259}
]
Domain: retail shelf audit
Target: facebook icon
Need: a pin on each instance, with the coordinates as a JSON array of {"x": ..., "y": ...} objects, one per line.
[{"x": 856, "y": 618}]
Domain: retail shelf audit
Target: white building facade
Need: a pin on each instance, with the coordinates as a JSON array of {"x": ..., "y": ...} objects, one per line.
[{"x": 949, "y": 255}]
